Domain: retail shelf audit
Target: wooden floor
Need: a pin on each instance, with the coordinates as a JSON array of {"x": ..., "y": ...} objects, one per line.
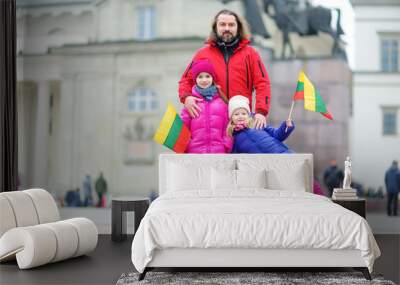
[{"x": 110, "y": 260}]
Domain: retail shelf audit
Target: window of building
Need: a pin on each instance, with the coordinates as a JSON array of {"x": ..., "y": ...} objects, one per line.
[
  {"x": 390, "y": 54},
  {"x": 389, "y": 121},
  {"x": 146, "y": 22},
  {"x": 142, "y": 100}
]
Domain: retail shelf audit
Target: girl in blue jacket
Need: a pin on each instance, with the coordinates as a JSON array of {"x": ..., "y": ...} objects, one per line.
[{"x": 249, "y": 140}]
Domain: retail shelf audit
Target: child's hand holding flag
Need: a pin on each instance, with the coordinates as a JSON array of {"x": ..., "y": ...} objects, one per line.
[{"x": 312, "y": 99}]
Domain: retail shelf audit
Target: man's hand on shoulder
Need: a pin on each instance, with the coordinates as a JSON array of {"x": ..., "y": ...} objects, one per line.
[
  {"x": 192, "y": 107},
  {"x": 260, "y": 121}
]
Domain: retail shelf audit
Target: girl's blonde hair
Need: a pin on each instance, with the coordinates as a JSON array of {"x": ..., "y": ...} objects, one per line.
[{"x": 229, "y": 128}]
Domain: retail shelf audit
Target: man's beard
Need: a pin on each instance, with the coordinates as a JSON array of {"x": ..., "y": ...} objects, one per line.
[{"x": 227, "y": 37}]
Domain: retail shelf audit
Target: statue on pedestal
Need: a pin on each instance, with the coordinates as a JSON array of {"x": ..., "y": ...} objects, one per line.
[
  {"x": 291, "y": 17},
  {"x": 347, "y": 174},
  {"x": 294, "y": 16},
  {"x": 346, "y": 192}
]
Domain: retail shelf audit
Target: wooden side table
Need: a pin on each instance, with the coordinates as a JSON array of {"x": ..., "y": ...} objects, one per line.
[
  {"x": 121, "y": 205},
  {"x": 357, "y": 206}
]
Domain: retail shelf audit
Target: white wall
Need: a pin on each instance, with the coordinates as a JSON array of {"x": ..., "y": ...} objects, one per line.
[
  {"x": 372, "y": 153},
  {"x": 370, "y": 21}
]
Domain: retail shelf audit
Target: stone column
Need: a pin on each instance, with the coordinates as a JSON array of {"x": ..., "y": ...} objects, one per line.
[
  {"x": 41, "y": 136},
  {"x": 63, "y": 162}
]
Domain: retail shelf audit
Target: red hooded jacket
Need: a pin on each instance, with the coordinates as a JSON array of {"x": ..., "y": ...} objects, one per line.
[{"x": 244, "y": 72}]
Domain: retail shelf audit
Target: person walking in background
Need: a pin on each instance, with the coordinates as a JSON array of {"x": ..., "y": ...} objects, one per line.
[
  {"x": 73, "y": 198},
  {"x": 87, "y": 191},
  {"x": 333, "y": 177},
  {"x": 101, "y": 189},
  {"x": 238, "y": 67},
  {"x": 207, "y": 130},
  {"x": 392, "y": 182}
]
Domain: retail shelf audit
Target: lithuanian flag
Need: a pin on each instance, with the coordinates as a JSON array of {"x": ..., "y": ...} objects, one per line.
[
  {"x": 172, "y": 132},
  {"x": 312, "y": 99}
]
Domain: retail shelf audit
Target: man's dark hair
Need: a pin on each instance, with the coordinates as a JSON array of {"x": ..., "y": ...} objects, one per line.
[{"x": 243, "y": 27}]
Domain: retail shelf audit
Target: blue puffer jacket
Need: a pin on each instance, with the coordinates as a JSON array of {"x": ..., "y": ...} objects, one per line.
[{"x": 267, "y": 140}]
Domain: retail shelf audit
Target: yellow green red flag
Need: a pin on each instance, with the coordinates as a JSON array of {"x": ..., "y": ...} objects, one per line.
[
  {"x": 172, "y": 132},
  {"x": 312, "y": 99}
]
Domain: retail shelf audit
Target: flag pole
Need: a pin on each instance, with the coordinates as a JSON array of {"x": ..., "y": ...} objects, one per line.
[{"x": 290, "y": 114}]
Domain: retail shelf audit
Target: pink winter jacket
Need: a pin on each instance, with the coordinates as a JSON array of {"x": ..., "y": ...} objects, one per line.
[{"x": 209, "y": 128}]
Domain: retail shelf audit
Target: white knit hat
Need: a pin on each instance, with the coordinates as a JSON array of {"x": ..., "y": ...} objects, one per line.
[{"x": 237, "y": 102}]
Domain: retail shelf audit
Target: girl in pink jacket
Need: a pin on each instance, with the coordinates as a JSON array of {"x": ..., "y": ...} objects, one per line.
[{"x": 208, "y": 129}]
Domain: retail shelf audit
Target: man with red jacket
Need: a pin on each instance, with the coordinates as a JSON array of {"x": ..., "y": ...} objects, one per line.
[{"x": 238, "y": 67}]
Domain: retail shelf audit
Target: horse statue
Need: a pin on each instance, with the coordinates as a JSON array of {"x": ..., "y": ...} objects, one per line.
[
  {"x": 253, "y": 15},
  {"x": 289, "y": 17}
]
